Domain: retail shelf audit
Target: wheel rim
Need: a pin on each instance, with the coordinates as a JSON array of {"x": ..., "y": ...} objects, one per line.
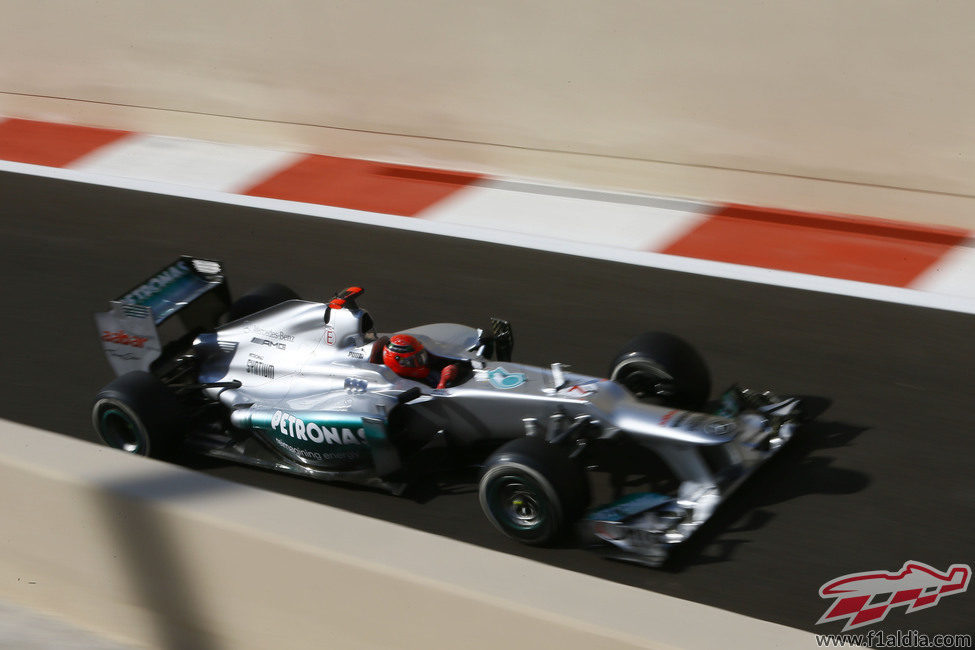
[
  {"x": 518, "y": 505},
  {"x": 646, "y": 381},
  {"x": 120, "y": 431}
]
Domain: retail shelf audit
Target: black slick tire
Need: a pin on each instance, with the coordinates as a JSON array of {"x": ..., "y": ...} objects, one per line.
[
  {"x": 264, "y": 296},
  {"x": 532, "y": 491},
  {"x": 662, "y": 367},
  {"x": 139, "y": 414}
]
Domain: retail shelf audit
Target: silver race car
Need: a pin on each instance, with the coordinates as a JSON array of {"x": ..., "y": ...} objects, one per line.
[{"x": 312, "y": 389}]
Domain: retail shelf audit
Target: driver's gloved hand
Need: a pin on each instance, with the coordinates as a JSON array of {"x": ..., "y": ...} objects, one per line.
[{"x": 448, "y": 376}]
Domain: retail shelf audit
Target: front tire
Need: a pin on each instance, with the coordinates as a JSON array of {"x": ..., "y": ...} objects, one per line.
[
  {"x": 139, "y": 414},
  {"x": 532, "y": 491},
  {"x": 664, "y": 368}
]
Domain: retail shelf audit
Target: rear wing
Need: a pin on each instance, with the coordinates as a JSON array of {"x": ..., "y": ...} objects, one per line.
[{"x": 140, "y": 322}]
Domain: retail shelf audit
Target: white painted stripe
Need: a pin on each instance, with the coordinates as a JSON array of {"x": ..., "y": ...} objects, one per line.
[
  {"x": 964, "y": 304},
  {"x": 603, "y": 223},
  {"x": 194, "y": 163},
  {"x": 534, "y": 187},
  {"x": 953, "y": 274}
]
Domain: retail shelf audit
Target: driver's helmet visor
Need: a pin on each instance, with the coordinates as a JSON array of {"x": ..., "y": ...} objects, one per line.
[{"x": 418, "y": 360}]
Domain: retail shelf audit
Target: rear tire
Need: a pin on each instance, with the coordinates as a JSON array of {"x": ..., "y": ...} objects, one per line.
[
  {"x": 266, "y": 295},
  {"x": 532, "y": 491},
  {"x": 661, "y": 367},
  {"x": 139, "y": 414}
]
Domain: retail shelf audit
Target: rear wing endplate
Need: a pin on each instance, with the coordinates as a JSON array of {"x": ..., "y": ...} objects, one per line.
[{"x": 129, "y": 329}]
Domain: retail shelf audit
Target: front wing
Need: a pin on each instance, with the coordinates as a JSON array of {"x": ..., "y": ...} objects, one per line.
[{"x": 645, "y": 527}]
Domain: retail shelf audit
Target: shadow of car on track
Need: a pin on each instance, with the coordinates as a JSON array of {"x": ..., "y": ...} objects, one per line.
[{"x": 799, "y": 470}]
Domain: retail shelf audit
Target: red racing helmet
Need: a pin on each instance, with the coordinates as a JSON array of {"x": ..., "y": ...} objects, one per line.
[{"x": 405, "y": 356}]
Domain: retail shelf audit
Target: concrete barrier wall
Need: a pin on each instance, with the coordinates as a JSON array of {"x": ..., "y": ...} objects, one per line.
[
  {"x": 157, "y": 555},
  {"x": 872, "y": 92}
]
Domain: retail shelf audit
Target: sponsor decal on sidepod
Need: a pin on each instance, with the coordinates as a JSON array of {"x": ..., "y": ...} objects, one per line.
[{"x": 295, "y": 427}]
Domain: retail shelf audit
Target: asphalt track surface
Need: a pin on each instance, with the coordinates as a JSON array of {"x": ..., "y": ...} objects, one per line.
[{"x": 883, "y": 475}]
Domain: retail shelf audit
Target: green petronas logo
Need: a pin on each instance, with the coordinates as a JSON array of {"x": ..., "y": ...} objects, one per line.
[{"x": 501, "y": 378}]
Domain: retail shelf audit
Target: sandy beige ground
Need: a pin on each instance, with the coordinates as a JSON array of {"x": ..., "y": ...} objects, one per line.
[{"x": 831, "y": 106}]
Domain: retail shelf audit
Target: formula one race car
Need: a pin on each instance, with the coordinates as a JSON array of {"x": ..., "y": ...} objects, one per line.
[{"x": 310, "y": 388}]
